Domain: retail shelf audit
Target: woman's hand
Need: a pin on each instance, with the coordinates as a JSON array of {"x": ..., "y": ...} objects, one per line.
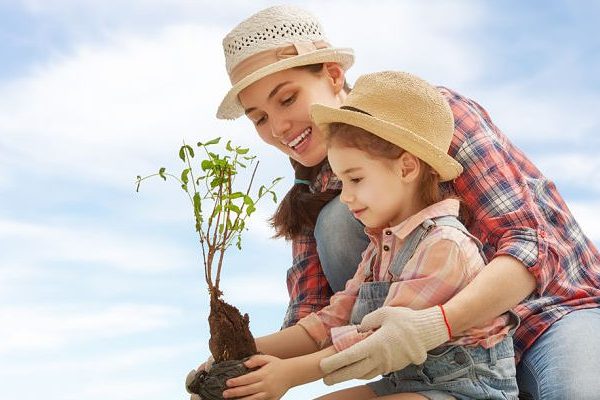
[{"x": 270, "y": 382}]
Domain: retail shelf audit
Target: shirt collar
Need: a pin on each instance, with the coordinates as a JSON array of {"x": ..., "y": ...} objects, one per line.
[{"x": 404, "y": 228}]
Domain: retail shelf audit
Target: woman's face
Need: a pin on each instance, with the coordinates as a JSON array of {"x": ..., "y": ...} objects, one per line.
[{"x": 279, "y": 107}]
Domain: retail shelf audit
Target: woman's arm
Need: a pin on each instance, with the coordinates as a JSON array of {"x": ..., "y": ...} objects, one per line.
[{"x": 500, "y": 286}]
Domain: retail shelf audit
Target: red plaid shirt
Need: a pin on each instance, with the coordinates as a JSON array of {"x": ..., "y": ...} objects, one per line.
[{"x": 518, "y": 212}]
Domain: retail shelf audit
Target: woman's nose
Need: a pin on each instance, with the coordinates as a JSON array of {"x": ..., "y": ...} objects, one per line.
[{"x": 280, "y": 127}]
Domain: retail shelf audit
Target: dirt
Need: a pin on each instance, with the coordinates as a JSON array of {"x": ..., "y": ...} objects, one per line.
[
  {"x": 231, "y": 343},
  {"x": 230, "y": 337}
]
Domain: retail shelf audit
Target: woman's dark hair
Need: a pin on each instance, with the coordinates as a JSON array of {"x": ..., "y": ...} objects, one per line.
[
  {"x": 298, "y": 211},
  {"x": 430, "y": 191}
]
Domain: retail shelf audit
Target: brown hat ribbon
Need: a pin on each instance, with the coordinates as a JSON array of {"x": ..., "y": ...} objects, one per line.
[{"x": 271, "y": 56}]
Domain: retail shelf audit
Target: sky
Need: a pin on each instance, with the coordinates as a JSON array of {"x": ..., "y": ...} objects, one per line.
[{"x": 101, "y": 288}]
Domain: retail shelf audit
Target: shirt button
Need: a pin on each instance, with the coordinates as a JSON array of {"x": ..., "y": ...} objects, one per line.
[
  {"x": 388, "y": 233},
  {"x": 386, "y": 247}
]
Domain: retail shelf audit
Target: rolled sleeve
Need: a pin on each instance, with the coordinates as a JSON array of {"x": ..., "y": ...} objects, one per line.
[
  {"x": 316, "y": 329},
  {"x": 530, "y": 247}
]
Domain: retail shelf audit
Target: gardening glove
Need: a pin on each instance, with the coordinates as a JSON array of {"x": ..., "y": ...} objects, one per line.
[
  {"x": 192, "y": 374},
  {"x": 401, "y": 336}
]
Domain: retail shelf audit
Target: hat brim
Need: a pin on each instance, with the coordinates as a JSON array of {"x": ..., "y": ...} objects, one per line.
[
  {"x": 447, "y": 167},
  {"x": 231, "y": 108}
]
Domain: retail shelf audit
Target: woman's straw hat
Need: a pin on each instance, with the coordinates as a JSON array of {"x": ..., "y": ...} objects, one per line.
[
  {"x": 402, "y": 109},
  {"x": 270, "y": 41}
]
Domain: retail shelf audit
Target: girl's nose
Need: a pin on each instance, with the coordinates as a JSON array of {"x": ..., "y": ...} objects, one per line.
[{"x": 346, "y": 197}]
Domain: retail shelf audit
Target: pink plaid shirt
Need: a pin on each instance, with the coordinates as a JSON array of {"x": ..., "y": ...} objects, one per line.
[
  {"x": 443, "y": 263},
  {"x": 518, "y": 212}
]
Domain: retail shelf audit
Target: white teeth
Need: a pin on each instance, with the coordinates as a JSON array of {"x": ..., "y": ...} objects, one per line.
[{"x": 300, "y": 138}]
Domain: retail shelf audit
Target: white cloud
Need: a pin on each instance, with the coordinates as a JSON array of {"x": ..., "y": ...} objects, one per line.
[
  {"x": 34, "y": 328},
  {"x": 251, "y": 290},
  {"x": 573, "y": 169},
  {"x": 432, "y": 39},
  {"x": 528, "y": 113},
  {"x": 105, "y": 109},
  {"x": 586, "y": 214},
  {"x": 85, "y": 245}
]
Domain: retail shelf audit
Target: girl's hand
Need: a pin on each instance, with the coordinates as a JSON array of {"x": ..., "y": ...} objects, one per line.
[{"x": 270, "y": 382}]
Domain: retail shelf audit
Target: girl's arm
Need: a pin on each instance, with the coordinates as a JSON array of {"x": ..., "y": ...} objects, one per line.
[
  {"x": 276, "y": 376},
  {"x": 403, "y": 336},
  {"x": 289, "y": 342}
]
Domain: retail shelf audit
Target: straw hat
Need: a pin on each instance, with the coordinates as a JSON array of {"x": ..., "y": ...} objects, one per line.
[
  {"x": 402, "y": 109},
  {"x": 270, "y": 41}
]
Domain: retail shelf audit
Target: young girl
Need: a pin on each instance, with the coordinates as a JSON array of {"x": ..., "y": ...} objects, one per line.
[
  {"x": 388, "y": 144},
  {"x": 280, "y": 62}
]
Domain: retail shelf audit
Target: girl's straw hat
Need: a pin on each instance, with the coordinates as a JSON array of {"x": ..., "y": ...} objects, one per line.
[
  {"x": 402, "y": 109},
  {"x": 270, "y": 41}
]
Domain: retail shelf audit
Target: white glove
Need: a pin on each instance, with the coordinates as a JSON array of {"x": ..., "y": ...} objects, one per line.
[
  {"x": 401, "y": 337},
  {"x": 206, "y": 366}
]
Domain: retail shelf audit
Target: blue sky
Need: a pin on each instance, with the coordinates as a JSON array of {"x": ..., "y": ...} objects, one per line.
[{"x": 101, "y": 288}]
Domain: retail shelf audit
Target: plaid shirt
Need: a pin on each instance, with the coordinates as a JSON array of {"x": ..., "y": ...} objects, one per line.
[
  {"x": 443, "y": 263},
  {"x": 517, "y": 211}
]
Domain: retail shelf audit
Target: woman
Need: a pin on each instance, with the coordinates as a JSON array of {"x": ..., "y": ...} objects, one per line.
[{"x": 541, "y": 265}]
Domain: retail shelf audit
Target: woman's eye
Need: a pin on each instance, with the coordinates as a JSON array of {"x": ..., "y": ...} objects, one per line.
[
  {"x": 355, "y": 180},
  {"x": 260, "y": 121},
  {"x": 288, "y": 101}
]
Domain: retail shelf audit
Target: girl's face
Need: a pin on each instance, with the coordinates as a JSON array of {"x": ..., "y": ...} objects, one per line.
[
  {"x": 379, "y": 192},
  {"x": 279, "y": 107}
]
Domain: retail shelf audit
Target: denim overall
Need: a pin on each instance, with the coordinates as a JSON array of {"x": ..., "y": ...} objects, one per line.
[{"x": 449, "y": 371}]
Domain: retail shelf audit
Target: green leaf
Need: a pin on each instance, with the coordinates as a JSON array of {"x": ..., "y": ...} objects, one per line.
[
  {"x": 182, "y": 151},
  {"x": 236, "y": 195},
  {"x": 274, "y": 196},
  {"x": 206, "y": 164},
  {"x": 184, "y": 187},
  {"x": 241, "y": 164},
  {"x": 248, "y": 200},
  {"x": 197, "y": 203},
  {"x": 242, "y": 150},
  {"x": 139, "y": 182},
  {"x": 250, "y": 210},
  {"x": 216, "y": 182},
  {"x": 277, "y": 180},
  {"x": 234, "y": 208},
  {"x": 161, "y": 172},
  {"x": 184, "y": 175},
  {"x": 261, "y": 191},
  {"x": 228, "y": 146},
  {"x": 214, "y": 141}
]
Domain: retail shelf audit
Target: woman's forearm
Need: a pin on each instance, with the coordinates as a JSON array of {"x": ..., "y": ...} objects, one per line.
[
  {"x": 500, "y": 286},
  {"x": 289, "y": 342}
]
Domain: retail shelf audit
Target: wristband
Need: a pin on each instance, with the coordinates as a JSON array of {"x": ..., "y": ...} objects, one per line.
[{"x": 446, "y": 321}]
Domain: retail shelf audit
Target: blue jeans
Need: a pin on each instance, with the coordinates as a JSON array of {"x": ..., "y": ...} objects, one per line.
[
  {"x": 562, "y": 364},
  {"x": 457, "y": 372}
]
